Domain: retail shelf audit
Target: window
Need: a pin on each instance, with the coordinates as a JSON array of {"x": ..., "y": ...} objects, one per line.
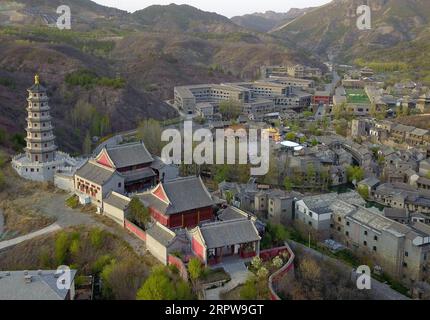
[
  {"x": 310, "y": 223},
  {"x": 347, "y": 223},
  {"x": 365, "y": 233},
  {"x": 375, "y": 238},
  {"x": 339, "y": 219},
  {"x": 405, "y": 265},
  {"x": 365, "y": 243},
  {"x": 406, "y": 254},
  {"x": 119, "y": 184},
  {"x": 347, "y": 233},
  {"x": 374, "y": 248}
]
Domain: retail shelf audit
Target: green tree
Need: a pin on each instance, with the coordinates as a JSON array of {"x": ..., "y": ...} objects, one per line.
[
  {"x": 355, "y": 173},
  {"x": 86, "y": 146},
  {"x": 61, "y": 248},
  {"x": 195, "y": 269},
  {"x": 138, "y": 212},
  {"x": 96, "y": 237},
  {"x": 364, "y": 192},
  {"x": 230, "y": 109},
  {"x": 149, "y": 131},
  {"x": 160, "y": 286},
  {"x": 291, "y": 136},
  {"x": 288, "y": 184},
  {"x": 339, "y": 111}
]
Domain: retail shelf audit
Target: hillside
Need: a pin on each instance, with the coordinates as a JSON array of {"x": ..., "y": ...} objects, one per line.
[
  {"x": 182, "y": 18},
  {"x": 265, "y": 22},
  {"x": 331, "y": 29}
]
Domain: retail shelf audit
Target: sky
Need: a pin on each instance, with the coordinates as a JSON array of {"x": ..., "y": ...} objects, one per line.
[{"x": 227, "y": 8}]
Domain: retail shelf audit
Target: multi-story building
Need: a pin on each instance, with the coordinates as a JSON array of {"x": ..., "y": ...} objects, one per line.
[
  {"x": 300, "y": 71},
  {"x": 303, "y": 84},
  {"x": 317, "y": 211},
  {"x": 255, "y": 98},
  {"x": 294, "y": 71},
  {"x": 401, "y": 250}
]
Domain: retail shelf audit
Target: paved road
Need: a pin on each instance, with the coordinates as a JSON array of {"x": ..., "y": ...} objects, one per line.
[
  {"x": 238, "y": 272},
  {"x": 53, "y": 205}
]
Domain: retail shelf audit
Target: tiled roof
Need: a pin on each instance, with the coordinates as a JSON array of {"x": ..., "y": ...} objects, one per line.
[
  {"x": 43, "y": 285},
  {"x": 95, "y": 173},
  {"x": 231, "y": 213},
  {"x": 130, "y": 154},
  {"x": 117, "y": 200},
  {"x": 139, "y": 174},
  {"x": 161, "y": 234},
  {"x": 220, "y": 234},
  {"x": 184, "y": 194}
]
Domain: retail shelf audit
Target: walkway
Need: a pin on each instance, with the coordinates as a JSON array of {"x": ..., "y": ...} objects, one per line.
[
  {"x": 238, "y": 273},
  {"x": 9, "y": 243}
]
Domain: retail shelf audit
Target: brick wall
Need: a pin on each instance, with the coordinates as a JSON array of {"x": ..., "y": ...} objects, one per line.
[{"x": 138, "y": 232}]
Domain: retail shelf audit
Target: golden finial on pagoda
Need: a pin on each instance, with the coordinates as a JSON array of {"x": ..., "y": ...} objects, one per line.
[{"x": 36, "y": 79}]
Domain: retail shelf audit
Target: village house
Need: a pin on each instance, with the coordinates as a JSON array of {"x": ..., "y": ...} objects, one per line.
[
  {"x": 401, "y": 250},
  {"x": 316, "y": 211},
  {"x": 35, "y": 285},
  {"x": 401, "y": 195}
]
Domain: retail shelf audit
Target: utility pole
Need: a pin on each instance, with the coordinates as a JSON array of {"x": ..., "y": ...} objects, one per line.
[{"x": 309, "y": 239}]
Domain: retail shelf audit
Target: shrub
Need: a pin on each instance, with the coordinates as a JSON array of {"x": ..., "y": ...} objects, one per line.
[
  {"x": 256, "y": 262},
  {"x": 101, "y": 262},
  {"x": 195, "y": 269},
  {"x": 75, "y": 247},
  {"x": 161, "y": 286},
  {"x": 262, "y": 273},
  {"x": 96, "y": 237},
  {"x": 72, "y": 202},
  {"x": 249, "y": 290},
  {"x": 277, "y": 262},
  {"x": 61, "y": 248}
]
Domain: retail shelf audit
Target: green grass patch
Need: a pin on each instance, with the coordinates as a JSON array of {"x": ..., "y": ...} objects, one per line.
[
  {"x": 72, "y": 202},
  {"x": 356, "y": 96}
]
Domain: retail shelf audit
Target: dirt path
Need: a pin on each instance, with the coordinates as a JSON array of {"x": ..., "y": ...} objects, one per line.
[{"x": 9, "y": 243}]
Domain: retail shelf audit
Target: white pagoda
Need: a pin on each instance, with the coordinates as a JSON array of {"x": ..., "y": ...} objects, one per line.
[{"x": 41, "y": 159}]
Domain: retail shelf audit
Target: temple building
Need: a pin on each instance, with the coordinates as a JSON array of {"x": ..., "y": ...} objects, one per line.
[
  {"x": 41, "y": 159},
  {"x": 124, "y": 168},
  {"x": 180, "y": 203}
]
